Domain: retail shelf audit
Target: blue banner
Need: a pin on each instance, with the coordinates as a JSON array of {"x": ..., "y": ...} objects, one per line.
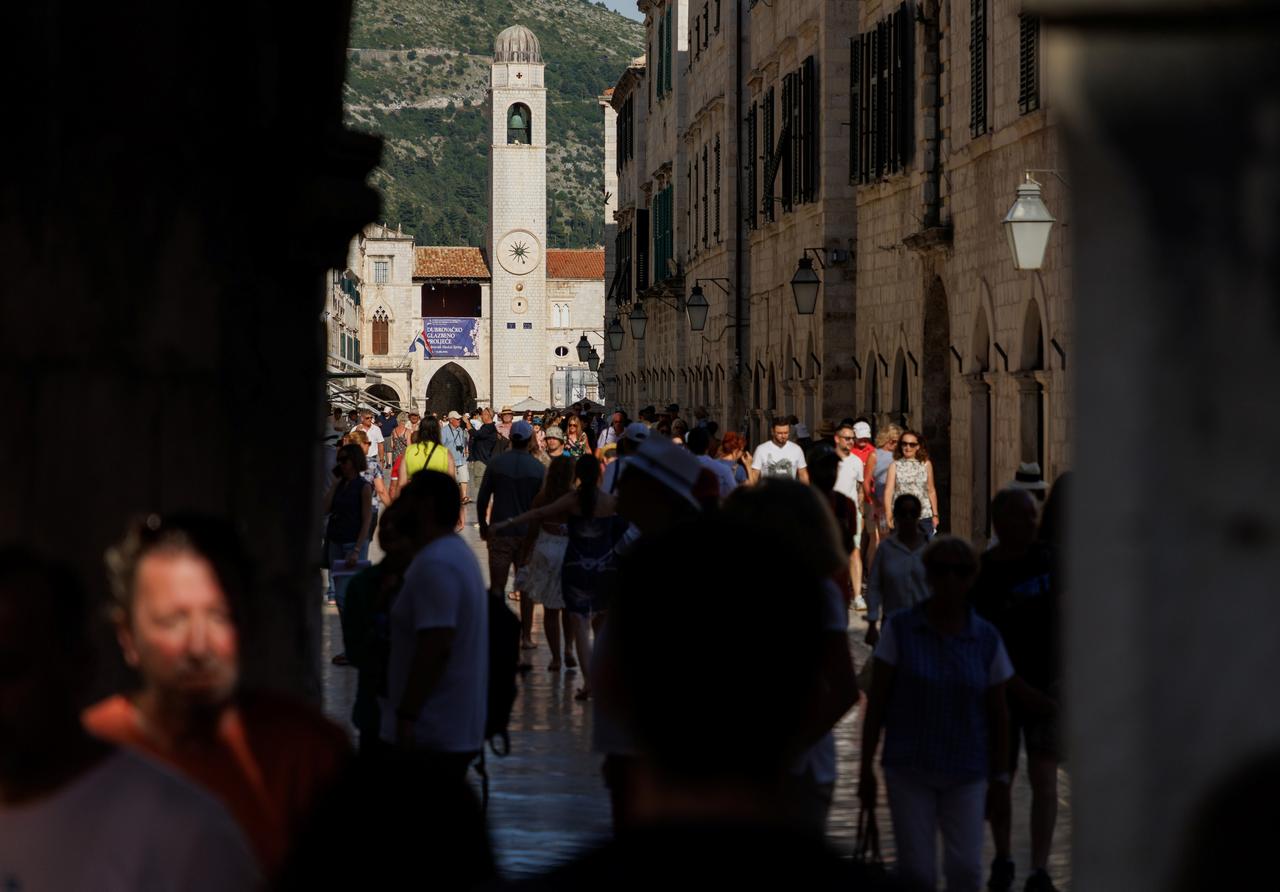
[{"x": 451, "y": 336}]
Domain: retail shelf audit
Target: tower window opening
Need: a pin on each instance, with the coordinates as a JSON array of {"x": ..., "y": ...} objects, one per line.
[{"x": 519, "y": 125}]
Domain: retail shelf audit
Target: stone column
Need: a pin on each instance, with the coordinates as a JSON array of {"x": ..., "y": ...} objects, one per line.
[
  {"x": 1172, "y": 124},
  {"x": 179, "y": 184}
]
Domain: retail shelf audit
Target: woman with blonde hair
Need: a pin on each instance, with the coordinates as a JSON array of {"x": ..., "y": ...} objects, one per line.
[
  {"x": 912, "y": 472},
  {"x": 543, "y": 557},
  {"x": 877, "y": 475},
  {"x": 800, "y": 520}
]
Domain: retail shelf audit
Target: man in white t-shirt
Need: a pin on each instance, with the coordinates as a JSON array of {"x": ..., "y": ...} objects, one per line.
[
  {"x": 438, "y": 671},
  {"x": 849, "y": 483},
  {"x": 377, "y": 444},
  {"x": 777, "y": 457},
  {"x": 75, "y": 812}
]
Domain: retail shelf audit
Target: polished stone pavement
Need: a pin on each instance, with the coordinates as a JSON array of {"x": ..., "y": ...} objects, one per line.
[{"x": 547, "y": 800}]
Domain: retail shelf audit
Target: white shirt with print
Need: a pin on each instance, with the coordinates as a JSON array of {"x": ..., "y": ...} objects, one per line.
[{"x": 772, "y": 460}]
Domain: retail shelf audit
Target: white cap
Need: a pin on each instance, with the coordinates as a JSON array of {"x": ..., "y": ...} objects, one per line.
[
  {"x": 454, "y": 414},
  {"x": 862, "y": 431},
  {"x": 673, "y": 466},
  {"x": 636, "y": 431}
]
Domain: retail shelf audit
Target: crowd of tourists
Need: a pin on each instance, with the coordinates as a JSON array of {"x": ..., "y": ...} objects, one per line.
[{"x": 585, "y": 514}]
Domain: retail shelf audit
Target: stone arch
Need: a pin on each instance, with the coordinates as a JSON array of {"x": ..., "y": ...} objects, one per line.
[
  {"x": 450, "y": 390},
  {"x": 901, "y": 394},
  {"x": 980, "y": 345},
  {"x": 519, "y": 125},
  {"x": 1031, "y": 356},
  {"x": 385, "y": 394},
  {"x": 935, "y": 390}
]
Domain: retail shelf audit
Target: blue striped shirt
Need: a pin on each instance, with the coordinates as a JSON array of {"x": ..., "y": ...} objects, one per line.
[{"x": 936, "y": 717}]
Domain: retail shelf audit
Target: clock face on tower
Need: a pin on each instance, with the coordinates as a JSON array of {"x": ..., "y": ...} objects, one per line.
[{"x": 519, "y": 252}]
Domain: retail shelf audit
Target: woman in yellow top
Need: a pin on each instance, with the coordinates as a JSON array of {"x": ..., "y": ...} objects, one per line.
[{"x": 426, "y": 453}]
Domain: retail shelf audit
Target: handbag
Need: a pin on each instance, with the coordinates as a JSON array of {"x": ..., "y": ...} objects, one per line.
[{"x": 866, "y": 851}]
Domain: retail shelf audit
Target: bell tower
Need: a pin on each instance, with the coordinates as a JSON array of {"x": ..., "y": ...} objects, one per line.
[{"x": 518, "y": 219}]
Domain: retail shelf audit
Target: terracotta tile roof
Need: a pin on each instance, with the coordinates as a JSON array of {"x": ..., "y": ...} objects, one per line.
[
  {"x": 585, "y": 263},
  {"x": 431, "y": 262}
]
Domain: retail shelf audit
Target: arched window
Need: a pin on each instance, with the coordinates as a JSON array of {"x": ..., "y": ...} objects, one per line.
[
  {"x": 381, "y": 333},
  {"x": 519, "y": 125}
]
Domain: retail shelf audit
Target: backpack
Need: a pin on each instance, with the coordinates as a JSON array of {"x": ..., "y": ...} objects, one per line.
[{"x": 504, "y": 666}]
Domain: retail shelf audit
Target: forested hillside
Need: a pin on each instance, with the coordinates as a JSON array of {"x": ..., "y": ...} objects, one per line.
[{"x": 417, "y": 74}]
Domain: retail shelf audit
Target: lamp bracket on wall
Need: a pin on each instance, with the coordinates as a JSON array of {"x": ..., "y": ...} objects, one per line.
[
  {"x": 1004, "y": 356},
  {"x": 819, "y": 254},
  {"x": 721, "y": 282},
  {"x": 1062, "y": 354}
]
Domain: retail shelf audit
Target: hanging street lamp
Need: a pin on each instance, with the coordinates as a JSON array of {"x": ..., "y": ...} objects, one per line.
[
  {"x": 584, "y": 348},
  {"x": 639, "y": 319},
  {"x": 593, "y": 360},
  {"x": 616, "y": 334},
  {"x": 804, "y": 286},
  {"x": 1028, "y": 225},
  {"x": 697, "y": 307}
]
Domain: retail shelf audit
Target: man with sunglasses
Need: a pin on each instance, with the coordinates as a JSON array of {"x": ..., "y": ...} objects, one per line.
[{"x": 849, "y": 483}]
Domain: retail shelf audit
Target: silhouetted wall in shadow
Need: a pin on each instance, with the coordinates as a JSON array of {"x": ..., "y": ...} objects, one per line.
[{"x": 178, "y": 181}]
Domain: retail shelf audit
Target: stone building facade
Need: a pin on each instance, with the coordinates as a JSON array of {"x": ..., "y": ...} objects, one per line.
[
  {"x": 882, "y": 143},
  {"x": 952, "y": 339},
  {"x": 453, "y": 327}
]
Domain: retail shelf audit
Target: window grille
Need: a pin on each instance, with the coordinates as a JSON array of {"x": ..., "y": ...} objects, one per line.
[
  {"x": 977, "y": 67},
  {"x": 1028, "y": 63}
]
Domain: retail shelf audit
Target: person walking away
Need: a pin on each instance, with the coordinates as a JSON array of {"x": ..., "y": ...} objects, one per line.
[
  {"x": 698, "y": 441},
  {"x": 590, "y": 561},
  {"x": 734, "y": 456},
  {"x": 877, "y": 522},
  {"x": 179, "y": 584},
  {"x": 77, "y": 812},
  {"x": 542, "y": 556},
  {"x": 938, "y": 695},
  {"x": 799, "y": 521},
  {"x": 438, "y": 666},
  {"x": 912, "y": 472},
  {"x": 387, "y": 423},
  {"x": 824, "y": 472},
  {"x": 484, "y": 442},
  {"x": 454, "y": 437},
  {"x": 778, "y": 458},
  {"x": 426, "y": 454},
  {"x": 897, "y": 579},
  {"x": 700, "y": 804},
  {"x": 511, "y": 483},
  {"x": 849, "y": 483},
  {"x": 1015, "y": 591},
  {"x": 349, "y": 506}
]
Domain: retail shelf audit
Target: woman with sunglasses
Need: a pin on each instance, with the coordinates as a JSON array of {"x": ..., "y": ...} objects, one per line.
[
  {"x": 576, "y": 443},
  {"x": 912, "y": 472}
]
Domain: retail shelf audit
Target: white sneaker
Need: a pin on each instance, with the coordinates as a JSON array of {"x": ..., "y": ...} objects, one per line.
[{"x": 860, "y": 604}]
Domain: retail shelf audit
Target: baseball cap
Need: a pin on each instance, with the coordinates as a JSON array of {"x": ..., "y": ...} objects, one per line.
[
  {"x": 386, "y": 410},
  {"x": 554, "y": 433},
  {"x": 862, "y": 430},
  {"x": 522, "y": 430},
  {"x": 454, "y": 414},
  {"x": 673, "y": 466},
  {"x": 636, "y": 431}
]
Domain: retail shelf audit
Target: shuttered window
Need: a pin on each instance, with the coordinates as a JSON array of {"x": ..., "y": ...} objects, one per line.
[
  {"x": 705, "y": 166},
  {"x": 787, "y": 139},
  {"x": 810, "y": 138},
  {"x": 717, "y": 194},
  {"x": 662, "y": 234},
  {"x": 666, "y": 62},
  {"x": 717, "y": 16},
  {"x": 770, "y": 167},
  {"x": 882, "y": 98},
  {"x": 977, "y": 67},
  {"x": 706, "y": 23},
  {"x": 641, "y": 243},
  {"x": 690, "y": 206},
  {"x": 381, "y": 333},
  {"x": 1028, "y": 63},
  {"x": 753, "y": 164}
]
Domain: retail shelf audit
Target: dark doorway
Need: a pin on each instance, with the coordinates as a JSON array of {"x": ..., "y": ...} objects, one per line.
[
  {"x": 902, "y": 392},
  {"x": 386, "y": 394},
  {"x": 935, "y": 392},
  {"x": 980, "y": 429},
  {"x": 450, "y": 390},
  {"x": 450, "y": 300},
  {"x": 1031, "y": 394}
]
